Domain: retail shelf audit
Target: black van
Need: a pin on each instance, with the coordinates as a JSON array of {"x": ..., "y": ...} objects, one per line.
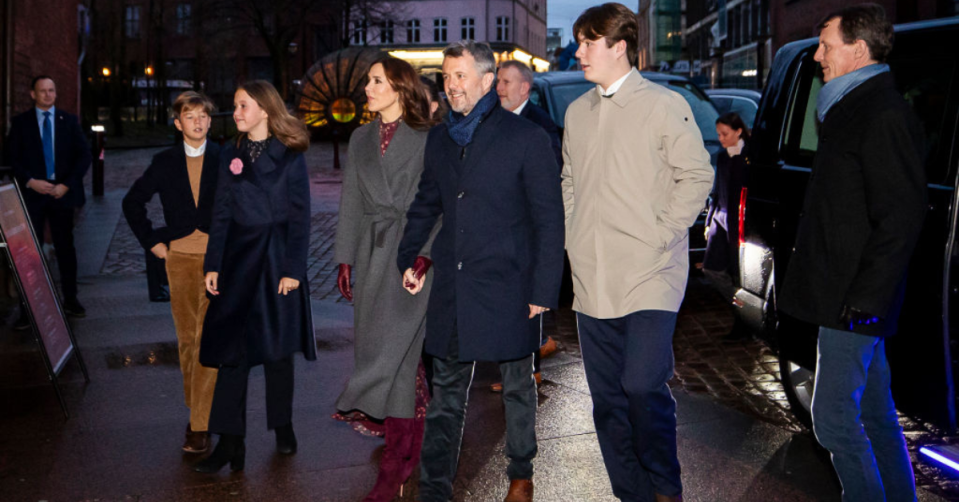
[{"x": 924, "y": 62}]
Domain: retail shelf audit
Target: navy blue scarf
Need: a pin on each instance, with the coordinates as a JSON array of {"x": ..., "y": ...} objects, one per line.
[
  {"x": 462, "y": 127},
  {"x": 837, "y": 88}
]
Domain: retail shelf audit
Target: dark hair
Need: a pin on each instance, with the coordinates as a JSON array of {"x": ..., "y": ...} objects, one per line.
[
  {"x": 287, "y": 128},
  {"x": 866, "y": 22},
  {"x": 403, "y": 78},
  {"x": 33, "y": 83},
  {"x": 613, "y": 21},
  {"x": 433, "y": 91},
  {"x": 481, "y": 52},
  {"x": 735, "y": 122},
  {"x": 192, "y": 99}
]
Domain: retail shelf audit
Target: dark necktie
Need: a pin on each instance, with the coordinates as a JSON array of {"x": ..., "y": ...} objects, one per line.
[{"x": 48, "y": 146}]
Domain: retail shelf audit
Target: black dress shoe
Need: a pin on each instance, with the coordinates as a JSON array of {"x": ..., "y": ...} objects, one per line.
[
  {"x": 73, "y": 308},
  {"x": 229, "y": 450},
  {"x": 285, "y": 440}
]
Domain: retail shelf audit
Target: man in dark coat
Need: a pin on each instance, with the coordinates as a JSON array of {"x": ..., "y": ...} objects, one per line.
[
  {"x": 864, "y": 208},
  {"x": 514, "y": 80},
  {"x": 498, "y": 260},
  {"x": 49, "y": 157}
]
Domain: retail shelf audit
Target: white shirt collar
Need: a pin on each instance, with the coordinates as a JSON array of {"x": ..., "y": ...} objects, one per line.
[
  {"x": 519, "y": 109},
  {"x": 615, "y": 87},
  {"x": 194, "y": 152}
]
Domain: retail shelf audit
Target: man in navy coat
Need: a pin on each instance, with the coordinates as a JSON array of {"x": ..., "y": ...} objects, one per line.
[
  {"x": 498, "y": 261},
  {"x": 49, "y": 157},
  {"x": 514, "y": 80}
]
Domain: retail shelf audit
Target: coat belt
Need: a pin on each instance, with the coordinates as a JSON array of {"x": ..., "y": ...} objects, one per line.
[{"x": 383, "y": 221}]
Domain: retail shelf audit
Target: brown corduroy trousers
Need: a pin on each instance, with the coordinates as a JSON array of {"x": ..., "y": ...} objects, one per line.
[{"x": 188, "y": 302}]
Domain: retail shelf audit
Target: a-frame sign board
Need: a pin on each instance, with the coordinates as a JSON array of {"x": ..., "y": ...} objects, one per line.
[{"x": 49, "y": 324}]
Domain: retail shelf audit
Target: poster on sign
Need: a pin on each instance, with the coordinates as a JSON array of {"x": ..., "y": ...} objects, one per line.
[{"x": 36, "y": 285}]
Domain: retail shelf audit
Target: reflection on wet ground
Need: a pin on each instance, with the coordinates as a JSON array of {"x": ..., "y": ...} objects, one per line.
[{"x": 152, "y": 354}]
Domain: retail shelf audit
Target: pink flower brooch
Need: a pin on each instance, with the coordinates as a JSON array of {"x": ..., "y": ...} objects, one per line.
[{"x": 236, "y": 167}]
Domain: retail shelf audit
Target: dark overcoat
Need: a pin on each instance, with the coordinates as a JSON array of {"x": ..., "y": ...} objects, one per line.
[
  {"x": 260, "y": 233},
  {"x": 501, "y": 244},
  {"x": 864, "y": 209},
  {"x": 389, "y": 323},
  {"x": 71, "y": 154},
  {"x": 722, "y": 219},
  {"x": 539, "y": 117},
  {"x": 168, "y": 176}
]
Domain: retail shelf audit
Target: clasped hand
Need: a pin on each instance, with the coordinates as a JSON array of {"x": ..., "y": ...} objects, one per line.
[{"x": 46, "y": 188}]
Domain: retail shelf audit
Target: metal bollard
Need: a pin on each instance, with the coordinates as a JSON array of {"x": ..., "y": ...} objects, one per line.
[{"x": 99, "y": 133}]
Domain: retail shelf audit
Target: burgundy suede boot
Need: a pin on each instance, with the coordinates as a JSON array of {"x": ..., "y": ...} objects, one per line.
[{"x": 396, "y": 454}]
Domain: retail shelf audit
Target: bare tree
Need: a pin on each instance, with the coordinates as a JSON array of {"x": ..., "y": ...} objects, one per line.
[{"x": 364, "y": 20}]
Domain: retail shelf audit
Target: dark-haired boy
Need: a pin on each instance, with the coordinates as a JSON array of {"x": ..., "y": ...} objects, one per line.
[
  {"x": 185, "y": 178},
  {"x": 635, "y": 177}
]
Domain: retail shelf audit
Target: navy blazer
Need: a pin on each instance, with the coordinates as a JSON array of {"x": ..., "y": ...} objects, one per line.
[
  {"x": 500, "y": 247},
  {"x": 168, "y": 176},
  {"x": 72, "y": 155},
  {"x": 539, "y": 117}
]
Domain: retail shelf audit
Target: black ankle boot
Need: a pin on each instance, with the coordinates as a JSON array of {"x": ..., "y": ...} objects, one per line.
[
  {"x": 229, "y": 450},
  {"x": 285, "y": 440}
]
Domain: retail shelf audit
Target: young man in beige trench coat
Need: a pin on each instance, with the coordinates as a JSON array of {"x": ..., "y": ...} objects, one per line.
[{"x": 635, "y": 177}]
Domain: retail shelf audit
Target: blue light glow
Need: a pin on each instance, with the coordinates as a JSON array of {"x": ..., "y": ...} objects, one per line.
[{"x": 948, "y": 462}]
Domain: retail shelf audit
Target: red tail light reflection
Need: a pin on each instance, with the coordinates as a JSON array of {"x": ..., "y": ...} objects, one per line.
[{"x": 742, "y": 216}]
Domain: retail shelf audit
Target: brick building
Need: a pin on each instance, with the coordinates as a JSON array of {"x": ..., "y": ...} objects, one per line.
[
  {"x": 38, "y": 38},
  {"x": 731, "y": 43}
]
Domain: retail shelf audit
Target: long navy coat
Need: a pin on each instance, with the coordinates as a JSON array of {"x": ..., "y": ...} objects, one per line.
[
  {"x": 501, "y": 244},
  {"x": 260, "y": 233}
]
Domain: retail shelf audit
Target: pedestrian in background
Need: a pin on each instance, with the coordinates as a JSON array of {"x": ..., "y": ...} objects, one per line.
[
  {"x": 382, "y": 172},
  {"x": 635, "y": 177},
  {"x": 49, "y": 156},
  {"x": 721, "y": 262},
  {"x": 498, "y": 262},
  {"x": 256, "y": 271},
  {"x": 185, "y": 177},
  {"x": 864, "y": 209}
]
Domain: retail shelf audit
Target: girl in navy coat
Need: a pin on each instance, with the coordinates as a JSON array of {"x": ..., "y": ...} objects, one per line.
[{"x": 256, "y": 271}]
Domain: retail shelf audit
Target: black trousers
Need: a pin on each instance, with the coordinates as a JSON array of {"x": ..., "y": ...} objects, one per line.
[
  {"x": 61, "y": 228},
  {"x": 446, "y": 417},
  {"x": 228, "y": 413}
]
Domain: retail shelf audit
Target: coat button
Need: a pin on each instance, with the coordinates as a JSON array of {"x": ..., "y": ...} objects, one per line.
[
  {"x": 459, "y": 266},
  {"x": 460, "y": 195}
]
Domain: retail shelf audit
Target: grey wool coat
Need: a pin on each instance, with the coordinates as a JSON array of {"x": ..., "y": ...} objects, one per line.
[{"x": 389, "y": 323}]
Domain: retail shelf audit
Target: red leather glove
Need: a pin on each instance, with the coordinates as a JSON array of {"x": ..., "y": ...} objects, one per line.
[
  {"x": 421, "y": 266},
  {"x": 343, "y": 281}
]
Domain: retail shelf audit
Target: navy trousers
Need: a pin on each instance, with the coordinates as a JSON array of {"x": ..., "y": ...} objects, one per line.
[{"x": 628, "y": 361}]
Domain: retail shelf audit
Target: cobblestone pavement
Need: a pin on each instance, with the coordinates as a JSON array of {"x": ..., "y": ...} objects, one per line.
[{"x": 741, "y": 375}]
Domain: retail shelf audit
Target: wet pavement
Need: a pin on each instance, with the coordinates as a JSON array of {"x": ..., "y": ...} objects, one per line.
[{"x": 737, "y": 438}]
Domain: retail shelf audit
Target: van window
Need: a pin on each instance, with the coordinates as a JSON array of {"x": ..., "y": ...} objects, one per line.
[{"x": 924, "y": 83}]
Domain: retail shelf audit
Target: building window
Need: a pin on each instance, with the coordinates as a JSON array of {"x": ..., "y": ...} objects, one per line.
[
  {"x": 439, "y": 30},
  {"x": 359, "y": 32},
  {"x": 502, "y": 29},
  {"x": 468, "y": 28},
  {"x": 386, "y": 32},
  {"x": 413, "y": 31},
  {"x": 131, "y": 23},
  {"x": 183, "y": 18}
]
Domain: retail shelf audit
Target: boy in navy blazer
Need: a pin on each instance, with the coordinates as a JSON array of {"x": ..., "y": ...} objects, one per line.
[
  {"x": 185, "y": 178},
  {"x": 49, "y": 157}
]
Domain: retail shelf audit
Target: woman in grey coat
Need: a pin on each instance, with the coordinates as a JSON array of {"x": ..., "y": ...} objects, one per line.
[{"x": 380, "y": 181}]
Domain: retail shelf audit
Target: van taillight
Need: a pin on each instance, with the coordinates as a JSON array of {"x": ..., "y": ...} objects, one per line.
[{"x": 742, "y": 216}]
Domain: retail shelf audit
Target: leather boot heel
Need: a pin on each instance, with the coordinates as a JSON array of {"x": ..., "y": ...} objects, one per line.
[
  {"x": 285, "y": 440},
  {"x": 229, "y": 450},
  {"x": 239, "y": 459}
]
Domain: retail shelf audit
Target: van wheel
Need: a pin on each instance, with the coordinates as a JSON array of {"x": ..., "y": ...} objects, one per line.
[{"x": 798, "y": 382}]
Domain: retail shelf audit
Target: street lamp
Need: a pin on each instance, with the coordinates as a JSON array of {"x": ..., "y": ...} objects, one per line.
[{"x": 105, "y": 71}]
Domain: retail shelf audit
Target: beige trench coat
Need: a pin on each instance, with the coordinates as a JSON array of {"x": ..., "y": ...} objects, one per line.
[{"x": 635, "y": 177}]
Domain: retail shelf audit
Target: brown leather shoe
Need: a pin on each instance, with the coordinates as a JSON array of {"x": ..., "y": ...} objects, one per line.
[
  {"x": 520, "y": 490},
  {"x": 498, "y": 386},
  {"x": 548, "y": 348},
  {"x": 667, "y": 498},
  {"x": 196, "y": 442}
]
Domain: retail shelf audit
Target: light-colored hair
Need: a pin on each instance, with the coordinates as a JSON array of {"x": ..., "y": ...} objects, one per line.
[
  {"x": 524, "y": 71},
  {"x": 481, "y": 52},
  {"x": 287, "y": 128},
  {"x": 190, "y": 100}
]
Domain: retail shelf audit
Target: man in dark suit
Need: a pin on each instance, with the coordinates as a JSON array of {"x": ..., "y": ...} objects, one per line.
[
  {"x": 49, "y": 156},
  {"x": 498, "y": 259},
  {"x": 864, "y": 209},
  {"x": 514, "y": 80}
]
